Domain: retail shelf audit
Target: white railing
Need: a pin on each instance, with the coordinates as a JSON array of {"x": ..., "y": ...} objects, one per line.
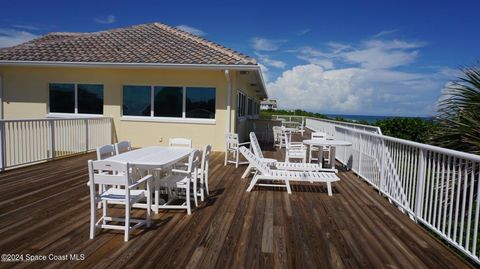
[
  {"x": 437, "y": 187},
  {"x": 29, "y": 141},
  {"x": 328, "y": 126}
]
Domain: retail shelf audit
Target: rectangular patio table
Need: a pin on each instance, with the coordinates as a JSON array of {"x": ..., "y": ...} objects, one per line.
[{"x": 151, "y": 159}]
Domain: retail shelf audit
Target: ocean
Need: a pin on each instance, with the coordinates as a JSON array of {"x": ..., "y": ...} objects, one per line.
[{"x": 369, "y": 119}]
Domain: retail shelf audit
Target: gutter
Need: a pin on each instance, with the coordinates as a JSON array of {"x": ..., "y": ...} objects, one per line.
[{"x": 229, "y": 101}]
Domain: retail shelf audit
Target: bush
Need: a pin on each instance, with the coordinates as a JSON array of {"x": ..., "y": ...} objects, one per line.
[{"x": 414, "y": 129}]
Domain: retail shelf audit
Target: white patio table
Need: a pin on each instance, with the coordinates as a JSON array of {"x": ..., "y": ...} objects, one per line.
[
  {"x": 320, "y": 143},
  {"x": 150, "y": 159}
]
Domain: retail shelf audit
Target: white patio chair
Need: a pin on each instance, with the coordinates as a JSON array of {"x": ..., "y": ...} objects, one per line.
[
  {"x": 122, "y": 146},
  {"x": 294, "y": 150},
  {"x": 264, "y": 172},
  {"x": 105, "y": 152},
  {"x": 280, "y": 165},
  {"x": 184, "y": 180},
  {"x": 278, "y": 137},
  {"x": 232, "y": 145},
  {"x": 203, "y": 172},
  {"x": 114, "y": 173},
  {"x": 180, "y": 142},
  {"x": 312, "y": 149}
]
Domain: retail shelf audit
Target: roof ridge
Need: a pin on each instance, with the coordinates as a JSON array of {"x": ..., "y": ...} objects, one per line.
[{"x": 211, "y": 44}]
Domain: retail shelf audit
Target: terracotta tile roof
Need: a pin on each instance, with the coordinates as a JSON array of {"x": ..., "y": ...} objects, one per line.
[{"x": 145, "y": 43}]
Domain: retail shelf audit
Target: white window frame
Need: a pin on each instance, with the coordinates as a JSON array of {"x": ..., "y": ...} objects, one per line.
[
  {"x": 183, "y": 119},
  {"x": 75, "y": 113}
]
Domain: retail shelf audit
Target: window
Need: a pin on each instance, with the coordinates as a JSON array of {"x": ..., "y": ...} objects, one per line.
[
  {"x": 62, "y": 98},
  {"x": 250, "y": 106},
  {"x": 90, "y": 98},
  {"x": 241, "y": 105},
  {"x": 200, "y": 103},
  {"x": 168, "y": 101},
  {"x": 76, "y": 98},
  {"x": 137, "y": 100}
]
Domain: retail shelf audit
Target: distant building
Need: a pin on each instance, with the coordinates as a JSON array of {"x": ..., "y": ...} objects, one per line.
[{"x": 269, "y": 104}]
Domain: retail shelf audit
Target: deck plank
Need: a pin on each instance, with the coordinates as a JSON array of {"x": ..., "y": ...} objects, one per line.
[{"x": 45, "y": 209}]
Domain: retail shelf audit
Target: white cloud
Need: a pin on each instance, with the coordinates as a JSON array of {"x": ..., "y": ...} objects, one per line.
[
  {"x": 264, "y": 44},
  {"x": 384, "y": 33},
  {"x": 268, "y": 61},
  {"x": 361, "y": 79},
  {"x": 191, "y": 30},
  {"x": 303, "y": 32},
  {"x": 26, "y": 27},
  {"x": 12, "y": 37},
  {"x": 106, "y": 20}
]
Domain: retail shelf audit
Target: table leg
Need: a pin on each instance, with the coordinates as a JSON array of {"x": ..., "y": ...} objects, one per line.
[{"x": 332, "y": 157}]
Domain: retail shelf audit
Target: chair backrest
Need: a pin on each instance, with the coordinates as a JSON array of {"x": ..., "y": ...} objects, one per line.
[
  {"x": 319, "y": 135},
  {"x": 255, "y": 145},
  {"x": 107, "y": 172},
  {"x": 288, "y": 137},
  {"x": 231, "y": 140},
  {"x": 193, "y": 162},
  {"x": 180, "y": 142},
  {"x": 277, "y": 132},
  {"x": 105, "y": 152},
  {"x": 207, "y": 150},
  {"x": 122, "y": 146},
  {"x": 255, "y": 161}
]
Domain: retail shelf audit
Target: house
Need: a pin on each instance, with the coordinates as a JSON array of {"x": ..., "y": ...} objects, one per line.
[
  {"x": 153, "y": 80},
  {"x": 268, "y": 104}
]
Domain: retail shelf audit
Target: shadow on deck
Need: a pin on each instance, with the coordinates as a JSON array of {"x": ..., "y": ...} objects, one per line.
[{"x": 45, "y": 210}]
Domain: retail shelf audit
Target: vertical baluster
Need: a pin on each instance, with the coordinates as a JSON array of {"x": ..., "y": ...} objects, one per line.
[
  {"x": 435, "y": 181},
  {"x": 440, "y": 202},
  {"x": 457, "y": 203},
  {"x": 464, "y": 198},
  {"x": 447, "y": 189},
  {"x": 452, "y": 196},
  {"x": 431, "y": 167},
  {"x": 470, "y": 204},
  {"x": 420, "y": 184}
]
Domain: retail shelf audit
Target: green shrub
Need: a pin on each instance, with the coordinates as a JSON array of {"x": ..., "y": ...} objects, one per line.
[{"x": 414, "y": 129}]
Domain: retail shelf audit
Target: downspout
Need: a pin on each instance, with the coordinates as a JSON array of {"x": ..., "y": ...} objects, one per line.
[{"x": 229, "y": 101}]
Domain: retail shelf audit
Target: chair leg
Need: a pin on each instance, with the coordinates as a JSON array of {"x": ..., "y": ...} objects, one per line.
[
  {"x": 127, "y": 221},
  {"x": 247, "y": 171},
  {"x": 105, "y": 211},
  {"x": 236, "y": 159},
  {"x": 252, "y": 183},
  {"x": 206, "y": 183},
  {"x": 149, "y": 205},
  {"x": 329, "y": 188},
  {"x": 226, "y": 157},
  {"x": 195, "y": 193},
  {"x": 100, "y": 190},
  {"x": 93, "y": 220},
  {"x": 187, "y": 200},
  {"x": 287, "y": 184}
]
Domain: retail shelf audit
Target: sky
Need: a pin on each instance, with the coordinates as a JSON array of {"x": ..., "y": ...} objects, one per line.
[{"x": 385, "y": 57}]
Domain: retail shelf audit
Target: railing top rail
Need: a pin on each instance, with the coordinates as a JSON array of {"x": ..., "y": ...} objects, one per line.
[
  {"x": 54, "y": 119},
  {"x": 376, "y": 128},
  {"x": 455, "y": 153}
]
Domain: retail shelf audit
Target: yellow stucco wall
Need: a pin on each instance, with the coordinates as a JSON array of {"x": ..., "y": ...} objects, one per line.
[{"x": 25, "y": 95}]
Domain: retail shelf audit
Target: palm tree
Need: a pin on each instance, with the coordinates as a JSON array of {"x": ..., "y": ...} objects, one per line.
[{"x": 459, "y": 114}]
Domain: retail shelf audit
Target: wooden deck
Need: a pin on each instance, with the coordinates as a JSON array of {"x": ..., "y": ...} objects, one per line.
[{"x": 44, "y": 210}]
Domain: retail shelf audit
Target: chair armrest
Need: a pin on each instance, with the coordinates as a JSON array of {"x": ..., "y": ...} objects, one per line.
[
  {"x": 180, "y": 171},
  {"x": 244, "y": 143},
  {"x": 140, "y": 181}
]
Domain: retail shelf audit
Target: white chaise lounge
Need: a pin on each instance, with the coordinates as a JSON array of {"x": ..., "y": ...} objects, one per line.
[
  {"x": 302, "y": 167},
  {"x": 264, "y": 172}
]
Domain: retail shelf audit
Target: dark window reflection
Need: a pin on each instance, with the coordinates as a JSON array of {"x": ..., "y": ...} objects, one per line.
[
  {"x": 200, "y": 103},
  {"x": 136, "y": 100},
  {"x": 168, "y": 101},
  {"x": 62, "y": 98},
  {"x": 90, "y": 98}
]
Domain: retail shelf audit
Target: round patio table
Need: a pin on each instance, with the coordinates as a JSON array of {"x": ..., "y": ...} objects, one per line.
[{"x": 320, "y": 143}]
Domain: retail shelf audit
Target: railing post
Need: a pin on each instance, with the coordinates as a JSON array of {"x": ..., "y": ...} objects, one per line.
[
  {"x": 52, "y": 139},
  {"x": 360, "y": 155},
  {"x": 86, "y": 135},
  {"x": 2, "y": 146},
  {"x": 420, "y": 184}
]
